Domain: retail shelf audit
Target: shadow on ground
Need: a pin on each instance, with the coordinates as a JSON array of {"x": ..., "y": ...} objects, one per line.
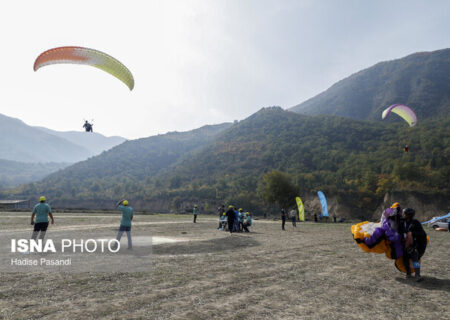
[
  {"x": 428, "y": 283},
  {"x": 205, "y": 246}
]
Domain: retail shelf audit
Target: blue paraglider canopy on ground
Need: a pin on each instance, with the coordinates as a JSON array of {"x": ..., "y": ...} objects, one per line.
[{"x": 437, "y": 218}]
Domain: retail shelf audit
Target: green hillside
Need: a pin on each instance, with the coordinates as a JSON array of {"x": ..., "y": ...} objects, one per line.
[
  {"x": 126, "y": 168},
  {"x": 13, "y": 173},
  {"x": 355, "y": 161},
  {"x": 420, "y": 80}
]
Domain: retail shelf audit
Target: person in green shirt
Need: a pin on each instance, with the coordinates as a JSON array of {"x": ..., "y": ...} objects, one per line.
[
  {"x": 223, "y": 221},
  {"x": 125, "y": 223},
  {"x": 247, "y": 221},
  {"x": 241, "y": 217},
  {"x": 39, "y": 218},
  {"x": 195, "y": 212}
]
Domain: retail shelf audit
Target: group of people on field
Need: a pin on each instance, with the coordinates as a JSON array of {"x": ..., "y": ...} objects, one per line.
[
  {"x": 407, "y": 237},
  {"x": 292, "y": 216},
  {"x": 42, "y": 210},
  {"x": 234, "y": 220}
]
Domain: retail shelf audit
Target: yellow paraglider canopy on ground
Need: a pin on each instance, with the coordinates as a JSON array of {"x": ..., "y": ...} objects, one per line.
[{"x": 364, "y": 230}]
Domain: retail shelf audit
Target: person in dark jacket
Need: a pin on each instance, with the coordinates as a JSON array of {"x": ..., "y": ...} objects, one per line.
[
  {"x": 415, "y": 239},
  {"x": 283, "y": 218},
  {"x": 230, "y": 218}
]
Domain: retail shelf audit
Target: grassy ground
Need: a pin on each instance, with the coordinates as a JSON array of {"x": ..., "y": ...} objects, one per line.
[{"x": 312, "y": 272}]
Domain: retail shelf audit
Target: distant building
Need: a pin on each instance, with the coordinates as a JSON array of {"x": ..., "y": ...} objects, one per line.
[{"x": 14, "y": 204}]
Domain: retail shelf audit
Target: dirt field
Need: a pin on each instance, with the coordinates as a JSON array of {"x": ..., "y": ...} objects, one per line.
[{"x": 312, "y": 272}]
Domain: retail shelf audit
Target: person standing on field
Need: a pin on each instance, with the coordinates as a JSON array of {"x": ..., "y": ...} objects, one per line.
[
  {"x": 195, "y": 212},
  {"x": 415, "y": 241},
  {"x": 230, "y": 217},
  {"x": 293, "y": 216},
  {"x": 283, "y": 219},
  {"x": 125, "y": 223},
  {"x": 41, "y": 211}
]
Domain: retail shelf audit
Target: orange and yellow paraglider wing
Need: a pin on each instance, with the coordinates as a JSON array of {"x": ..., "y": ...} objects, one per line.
[{"x": 92, "y": 57}]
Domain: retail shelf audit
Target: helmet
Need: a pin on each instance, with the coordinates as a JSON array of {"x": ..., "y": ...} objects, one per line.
[
  {"x": 195, "y": 206},
  {"x": 230, "y": 207},
  {"x": 42, "y": 199},
  {"x": 395, "y": 205},
  {"x": 224, "y": 213},
  {"x": 247, "y": 213},
  {"x": 125, "y": 202},
  {"x": 240, "y": 210},
  {"x": 409, "y": 212}
]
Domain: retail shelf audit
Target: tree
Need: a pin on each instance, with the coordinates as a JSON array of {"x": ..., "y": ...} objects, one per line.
[{"x": 278, "y": 188}]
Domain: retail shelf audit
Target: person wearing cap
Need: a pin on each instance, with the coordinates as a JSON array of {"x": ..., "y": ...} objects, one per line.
[
  {"x": 398, "y": 208},
  {"x": 415, "y": 239},
  {"x": 223, "y": 221},
  {"x": 125, "y": 223},
  {"x": 230, "y": 218},
  {"x": 41, "y": 211},
  {"x": 241, "y": 219},
  {"x": 195, "y": 212},
  {"x": 388, "y": 230},
  {"x": 247, "y": 222}
]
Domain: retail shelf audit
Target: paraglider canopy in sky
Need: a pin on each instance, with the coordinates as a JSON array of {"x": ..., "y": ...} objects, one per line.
[
  {"x": 91, "y": 57},
  {"x": 403, "y": 111}
]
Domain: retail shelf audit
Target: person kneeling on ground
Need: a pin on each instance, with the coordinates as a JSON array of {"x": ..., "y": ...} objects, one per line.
[
  {"x": 415, "y": 242},
  {"x": 223, "y": 221},
  {"x": 247, "y": 222},
  {"x": 125, "y": 223}
]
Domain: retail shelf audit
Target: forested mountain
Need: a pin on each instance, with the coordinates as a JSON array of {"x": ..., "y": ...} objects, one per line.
[
  {"x": 13, "y": 173},
  {"x": 359, "y": 164},
  {"x": 95, "y": 142},
  {"x": 356, "y": 162},
  {"x": 129, "y": 166},
  {"x": 420, "y": 80}
]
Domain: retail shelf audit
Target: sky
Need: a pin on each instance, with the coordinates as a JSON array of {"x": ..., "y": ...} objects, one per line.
[{"x": 198, "y": 62}]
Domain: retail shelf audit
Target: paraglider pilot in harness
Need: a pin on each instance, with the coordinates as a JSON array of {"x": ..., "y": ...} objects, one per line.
[{"x": 87, "y": 126}]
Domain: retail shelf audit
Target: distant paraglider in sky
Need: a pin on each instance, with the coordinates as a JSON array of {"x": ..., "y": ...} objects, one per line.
[
  {"x": 88, "y": 127},
  {"x": 91, "y": 57},
  {"x": 403, "y": 111}
]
